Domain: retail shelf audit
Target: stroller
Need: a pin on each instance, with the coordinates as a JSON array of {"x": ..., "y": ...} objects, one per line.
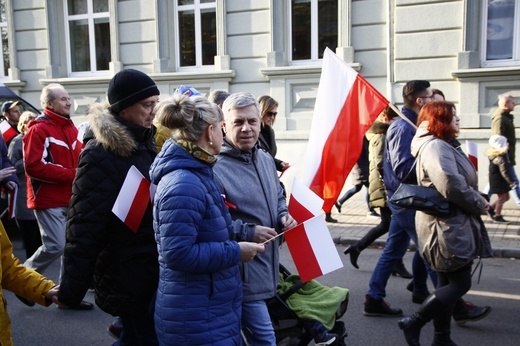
[{"x": 289, "y": 329}]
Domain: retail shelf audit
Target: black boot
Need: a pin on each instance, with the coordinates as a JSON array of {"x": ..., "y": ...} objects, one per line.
[
  {"x": 400, "y": 270},
  {"x": 412, "y": 325},
  {"x": 329, "y": 218},
  {"x": 442, "y": 327},
  {"x": 353, "y": 251},
  {"x": 338, "y": 206}
]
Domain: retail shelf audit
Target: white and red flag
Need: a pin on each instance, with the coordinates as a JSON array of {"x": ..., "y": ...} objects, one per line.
[
  {"x": 303, "y": 203},
  {"x": 346, "y": 106},
  {"x": 472, "y": 153},
  {"x": 7, "y": 130},
  {"x": 312, "y": 249},
  {"x": 133, "y": 199}
]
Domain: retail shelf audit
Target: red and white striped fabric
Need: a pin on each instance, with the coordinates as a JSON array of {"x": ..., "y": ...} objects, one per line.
[
  {"x": 346, "y": 106},
  {"x": 312, "y": 249},
  {"x": 133, "y": 199},
  {"x": 7, "y": 130},
  {"x": 472, "y": 153}
]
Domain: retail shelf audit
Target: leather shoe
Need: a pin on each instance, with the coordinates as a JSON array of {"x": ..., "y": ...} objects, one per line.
[
  {"x": 25, "y": 301},
  {"x": 81, "y": 306},
  {"x": 468, "y": 312},
  {"x": 353, "y": 251},
  {"x": 417, "y": 297}
]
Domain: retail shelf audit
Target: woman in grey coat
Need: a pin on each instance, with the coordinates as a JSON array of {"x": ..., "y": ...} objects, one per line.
[{"x": 448, "y": 243}]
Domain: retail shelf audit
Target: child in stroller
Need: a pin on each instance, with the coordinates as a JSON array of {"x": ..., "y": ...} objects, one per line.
[{"x": 307, "y": 311}]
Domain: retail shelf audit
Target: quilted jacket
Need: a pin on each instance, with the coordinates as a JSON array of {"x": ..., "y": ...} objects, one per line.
[
  {"x": 20, "y": 280},
  {"x": 99, "y": 245},
  {"x": 200, "y": 293},
  {"x": 376, "y": 146},
  {"x": 51, "y": 150}
]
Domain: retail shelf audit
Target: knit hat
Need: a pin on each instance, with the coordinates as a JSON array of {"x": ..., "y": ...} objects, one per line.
[
  {"x": 187, "y": 90},
  {"x": 498, "y": 142},
  {"x": 128, "y": 87}
]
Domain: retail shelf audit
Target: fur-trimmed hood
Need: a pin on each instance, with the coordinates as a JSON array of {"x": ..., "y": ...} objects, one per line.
[{"x": 114, "y": 133}]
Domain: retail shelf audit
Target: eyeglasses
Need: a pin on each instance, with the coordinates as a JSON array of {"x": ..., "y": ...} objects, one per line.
[
  {"x": 271, "y": 114},
  {"x": 149, "y": 106}
]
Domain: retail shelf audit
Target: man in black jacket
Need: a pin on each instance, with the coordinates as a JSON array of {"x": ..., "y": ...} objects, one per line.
[{"x": 121, "y": 260}]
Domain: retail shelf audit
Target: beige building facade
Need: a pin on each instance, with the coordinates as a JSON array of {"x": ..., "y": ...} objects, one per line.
[{"x": 470, "y": 49}]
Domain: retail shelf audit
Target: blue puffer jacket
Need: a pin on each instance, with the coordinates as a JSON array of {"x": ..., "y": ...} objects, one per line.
[{"x": 199, "y": 295}]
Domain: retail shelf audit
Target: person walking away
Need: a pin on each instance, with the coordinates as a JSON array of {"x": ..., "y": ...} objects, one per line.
[{"x": 500, "y": 180}]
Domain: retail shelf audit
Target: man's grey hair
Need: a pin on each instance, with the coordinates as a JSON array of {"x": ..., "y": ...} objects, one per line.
[
  {"x": 48, "y": 93},
  {"x": 239, "y": 100},
  {"x": 218, "y": 96},
  {"x": 502, "y": 99}
]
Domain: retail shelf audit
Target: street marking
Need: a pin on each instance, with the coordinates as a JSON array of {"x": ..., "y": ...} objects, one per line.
[{"x": 495, "y": 295}]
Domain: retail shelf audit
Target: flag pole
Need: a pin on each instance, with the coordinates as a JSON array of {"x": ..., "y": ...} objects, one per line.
[
  {"x": 279, "y": 234},
  {"x": 395, "y": 109}
]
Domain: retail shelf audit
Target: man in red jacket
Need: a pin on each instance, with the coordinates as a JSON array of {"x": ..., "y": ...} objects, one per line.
[{"x": 51, "y": 151}]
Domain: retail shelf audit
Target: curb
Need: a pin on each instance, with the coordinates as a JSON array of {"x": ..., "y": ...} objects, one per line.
[{"x": 497, "y": 252}]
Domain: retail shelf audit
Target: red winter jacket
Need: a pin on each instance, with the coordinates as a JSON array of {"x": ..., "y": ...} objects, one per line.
[{"x": 51, "y": 151}]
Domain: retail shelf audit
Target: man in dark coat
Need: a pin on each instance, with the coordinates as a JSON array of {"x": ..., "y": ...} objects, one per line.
[
  {"x": 122, "y": 261},
  {"x": 502, "y": 124}
]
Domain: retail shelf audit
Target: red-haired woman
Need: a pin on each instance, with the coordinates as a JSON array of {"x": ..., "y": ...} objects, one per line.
[{"x": 448, "y": 243}]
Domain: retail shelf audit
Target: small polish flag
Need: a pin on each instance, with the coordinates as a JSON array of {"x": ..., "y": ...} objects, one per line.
[
  {"x": 472, "y": 153},
  {"x": 312, "y": 249},
  {"x": 11, "y": 203},
  {"x": 304, "y": 204},
  {"x": 7, "y": 130},
  {"x": 133, "y": 199}
]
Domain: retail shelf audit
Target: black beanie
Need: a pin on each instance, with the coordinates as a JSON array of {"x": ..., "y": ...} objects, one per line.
[{"x": 128, "y": 87}]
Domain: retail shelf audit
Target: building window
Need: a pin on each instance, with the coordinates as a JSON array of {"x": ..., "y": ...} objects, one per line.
[
  {"x": 313, "y": 27},
  {"x": 501, "y": 33},
  {"x": 88, "y": 36},
  {"x": 196, "y": 32},
  {"x": 4, "y": 63}
]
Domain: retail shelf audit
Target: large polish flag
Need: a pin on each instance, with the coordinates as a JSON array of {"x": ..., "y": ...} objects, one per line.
[
  {"x": 346, "y": 106},
  {"x": 312, "y": 249},
  {"x": 472, "y": 153},
  {"x": 133, "y": 199},
  {"x": 7, "y": 130}
]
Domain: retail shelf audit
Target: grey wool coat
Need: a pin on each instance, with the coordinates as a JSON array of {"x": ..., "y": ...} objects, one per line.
[{"x": 449, "y": 242}]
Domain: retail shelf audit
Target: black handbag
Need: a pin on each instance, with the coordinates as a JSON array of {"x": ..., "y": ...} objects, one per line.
[{"x": 425, "y": 199}]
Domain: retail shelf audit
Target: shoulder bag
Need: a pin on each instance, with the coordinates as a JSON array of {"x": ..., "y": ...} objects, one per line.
[{"x": 425, "y": 199}]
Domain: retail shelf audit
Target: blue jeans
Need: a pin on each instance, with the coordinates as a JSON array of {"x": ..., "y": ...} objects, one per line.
[
  {"x": 256, "y": 323},
  {"x": 516, "y": 191},
  {"x": 402, "y": 229}
]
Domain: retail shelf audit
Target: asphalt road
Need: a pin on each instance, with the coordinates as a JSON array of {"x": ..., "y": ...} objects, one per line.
[{"x": 499, "y": 287}]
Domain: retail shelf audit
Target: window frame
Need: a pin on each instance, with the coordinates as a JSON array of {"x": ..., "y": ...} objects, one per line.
[
  {"x": 314, "y": 35},
  {"x": 90, "y": 16},
  {"x": 196, "y": 7},
  {"x": 515, "y": 60},
  {"x": 4, "y": 25}
]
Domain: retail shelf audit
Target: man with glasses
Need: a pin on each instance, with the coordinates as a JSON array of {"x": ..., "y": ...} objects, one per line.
[
  {"x": 119, "y": 259},
  {"x": 398, "y": 161}
]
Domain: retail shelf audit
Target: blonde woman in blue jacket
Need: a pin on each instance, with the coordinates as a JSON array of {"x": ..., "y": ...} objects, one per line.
[{"x": 199, "y": 295}]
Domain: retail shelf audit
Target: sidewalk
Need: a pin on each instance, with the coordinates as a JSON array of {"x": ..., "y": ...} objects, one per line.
[{"x": 353, "y": 224}]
